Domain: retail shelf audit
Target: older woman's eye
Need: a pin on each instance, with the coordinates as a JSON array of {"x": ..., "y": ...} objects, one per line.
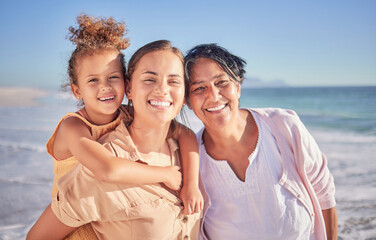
[
  {"x": 222, "y": 82},
  {"x": 197, "y": 89}
]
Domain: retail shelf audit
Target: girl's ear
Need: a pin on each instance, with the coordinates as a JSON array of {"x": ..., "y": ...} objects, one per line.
[{"x": 76, "y": 91}]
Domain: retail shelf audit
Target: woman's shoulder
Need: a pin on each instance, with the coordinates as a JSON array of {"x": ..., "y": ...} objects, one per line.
[{"x": 275, "y": 112}]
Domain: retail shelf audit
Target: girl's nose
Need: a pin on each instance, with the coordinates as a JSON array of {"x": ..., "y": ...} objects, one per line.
[{"x": 105, "y": 86}]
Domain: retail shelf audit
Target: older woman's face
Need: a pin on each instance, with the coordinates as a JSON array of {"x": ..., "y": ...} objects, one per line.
[{"x": 213, "y": 94}]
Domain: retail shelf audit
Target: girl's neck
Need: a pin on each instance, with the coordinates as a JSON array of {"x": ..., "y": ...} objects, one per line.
[
  {"x": 98, "y": 119},
  {"x": 148, "y": 138}
]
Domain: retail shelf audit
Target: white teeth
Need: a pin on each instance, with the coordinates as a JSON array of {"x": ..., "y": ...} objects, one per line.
[
  {"x": 106, "y": 99},
  {"x": 161, "y": 104},
  {"x": 216, "y": 108}
]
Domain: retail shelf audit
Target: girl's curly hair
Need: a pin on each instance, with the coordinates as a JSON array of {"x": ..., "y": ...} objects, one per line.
[{"x": 93, "y": 35}]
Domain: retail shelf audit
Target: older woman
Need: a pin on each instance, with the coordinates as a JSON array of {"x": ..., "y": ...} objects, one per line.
[{"x": 263, "y": 172}]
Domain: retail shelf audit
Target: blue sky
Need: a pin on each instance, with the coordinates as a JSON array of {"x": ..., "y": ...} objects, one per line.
[{"x": 304, "y": 43}]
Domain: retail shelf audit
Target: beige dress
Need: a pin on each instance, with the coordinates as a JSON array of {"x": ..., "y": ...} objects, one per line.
[
  {"x": 62, "y": 166},
  {"x": 124, "y": 211}
]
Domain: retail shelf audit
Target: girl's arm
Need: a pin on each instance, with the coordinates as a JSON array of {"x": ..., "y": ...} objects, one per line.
[
  {"x": 48, "y": 227},
  {"x": 190, "y": 193},
  {"x": 76, "y": 136}
]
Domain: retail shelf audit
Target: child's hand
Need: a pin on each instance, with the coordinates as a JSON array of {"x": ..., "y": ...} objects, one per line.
[
  {"x": 192, "y": 199},
  {"x": 173, "y": 177}
]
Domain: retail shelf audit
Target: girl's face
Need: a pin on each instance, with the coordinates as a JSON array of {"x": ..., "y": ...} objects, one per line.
[
  {"x": 156, "y": 88},
  {"x": 213, "y": 94},
  {"x": 100, "y": 85}
]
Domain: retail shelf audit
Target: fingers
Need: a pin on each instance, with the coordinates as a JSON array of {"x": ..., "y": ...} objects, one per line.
[
  {"x": 188, "y": 209},
  {"x": 193, "y": 207}
]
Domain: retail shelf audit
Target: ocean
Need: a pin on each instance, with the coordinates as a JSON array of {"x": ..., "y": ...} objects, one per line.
[{"x": 342, "y": 120}]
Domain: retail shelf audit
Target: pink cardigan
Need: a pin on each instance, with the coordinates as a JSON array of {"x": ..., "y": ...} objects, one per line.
[{"x": 305, "y": 172}]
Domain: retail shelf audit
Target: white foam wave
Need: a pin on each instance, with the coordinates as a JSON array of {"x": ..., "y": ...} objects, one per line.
[
  {"x": 23, "y": 146},
  {"x": 21, "y": 96}
]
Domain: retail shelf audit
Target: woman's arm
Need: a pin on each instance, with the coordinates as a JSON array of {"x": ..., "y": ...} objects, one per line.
[
  {"x": 190, "y": 193},
  {"x": 331, "y": 224},
  {"x": 76, "y": 136},
  {"x": 48, "y": 227}
]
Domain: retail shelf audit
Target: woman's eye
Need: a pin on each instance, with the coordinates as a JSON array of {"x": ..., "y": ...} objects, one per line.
[
  {"x": 197, "y": 89},
  {"x": 149, "y": 81},
  {"x": 174, "y": 81},
  {"x": 222, "y": 83}
]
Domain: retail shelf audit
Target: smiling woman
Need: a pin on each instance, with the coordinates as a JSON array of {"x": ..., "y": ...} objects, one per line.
[
  {"x": 260, "y": 167},
  {"x": 17, "y": 97}
]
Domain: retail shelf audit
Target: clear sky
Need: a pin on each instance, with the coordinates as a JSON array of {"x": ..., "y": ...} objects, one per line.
[{"x": 304, "y": 43}]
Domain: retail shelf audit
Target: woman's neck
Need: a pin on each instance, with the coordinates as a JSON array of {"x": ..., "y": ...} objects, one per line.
[
  {"x": 232, "y": 134},
  {"x": 148, "y": 138}
]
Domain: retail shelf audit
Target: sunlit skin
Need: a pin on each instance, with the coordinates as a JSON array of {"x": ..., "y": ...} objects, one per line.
[
  {"x": 157, "y": 89},
  {"x": 100, "y": 85},
  {"x": 213, "y": 95}
]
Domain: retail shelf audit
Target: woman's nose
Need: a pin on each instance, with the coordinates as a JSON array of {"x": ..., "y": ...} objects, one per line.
[
  {"x": 162, "y": 88},
  {"x": 212, "y": 93}
]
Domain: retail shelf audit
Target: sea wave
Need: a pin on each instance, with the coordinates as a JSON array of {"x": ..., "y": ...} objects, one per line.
[
  {"x": 22, "y": 146},
  {"x": 21, "y": 96}
]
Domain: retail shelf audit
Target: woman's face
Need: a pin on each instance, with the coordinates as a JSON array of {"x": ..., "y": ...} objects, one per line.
[
  {"x": 156, "y": 88},
  {"x": 213, "y": 94}
]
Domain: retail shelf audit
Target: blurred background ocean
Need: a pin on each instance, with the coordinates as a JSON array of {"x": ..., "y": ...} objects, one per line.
[
  {"x": 342, "y": 120},
  {"x": 298, "y": 55}
]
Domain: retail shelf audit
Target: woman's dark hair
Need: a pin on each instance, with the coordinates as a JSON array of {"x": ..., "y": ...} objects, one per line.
[
  {"x": 231, "y": 64},
  {"x": 148, "y": 48}
]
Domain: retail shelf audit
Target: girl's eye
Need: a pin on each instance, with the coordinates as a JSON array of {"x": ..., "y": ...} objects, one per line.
[
  {"x": 93, "y": 80},
  {"x": 115, "y": 78}
]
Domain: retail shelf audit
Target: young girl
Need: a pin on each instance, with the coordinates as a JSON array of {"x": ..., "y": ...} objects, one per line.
[{"x": 97, "y": 77}]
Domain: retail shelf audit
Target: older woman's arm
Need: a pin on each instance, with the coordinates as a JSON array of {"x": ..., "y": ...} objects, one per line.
[{"x": 331, "y": 225}]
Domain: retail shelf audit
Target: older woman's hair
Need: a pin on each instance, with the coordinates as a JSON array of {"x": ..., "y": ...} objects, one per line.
[{"x": 231, "y": 64}]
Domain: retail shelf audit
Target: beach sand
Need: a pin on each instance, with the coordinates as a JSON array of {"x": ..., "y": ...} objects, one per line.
[{"x": 20, "y": 96}]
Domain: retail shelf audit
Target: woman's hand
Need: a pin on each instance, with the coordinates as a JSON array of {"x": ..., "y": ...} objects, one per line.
[
  {"x": 192, "y": 199},
  {"x": 173, "y": 177}
]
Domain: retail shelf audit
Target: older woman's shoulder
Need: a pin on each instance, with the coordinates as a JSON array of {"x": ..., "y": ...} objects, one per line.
[{"x": 275, "y": 112}]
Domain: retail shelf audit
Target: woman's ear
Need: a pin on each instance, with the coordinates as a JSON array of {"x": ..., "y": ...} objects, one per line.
[
  {"x": 239, "y": 88},
  {"x": 128, "y": 91},
  {"x": 76, "y": 91},
  {"x": 187, "y": 102}
]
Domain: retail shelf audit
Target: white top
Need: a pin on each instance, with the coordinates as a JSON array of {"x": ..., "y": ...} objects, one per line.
[{"x": 259, "y": 208}]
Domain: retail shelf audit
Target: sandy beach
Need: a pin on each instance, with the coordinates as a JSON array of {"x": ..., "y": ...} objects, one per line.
[{"x": 20, "y": 96}]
